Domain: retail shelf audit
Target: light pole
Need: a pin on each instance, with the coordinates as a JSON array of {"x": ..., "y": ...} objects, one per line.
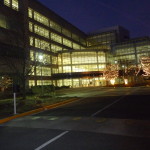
[{"x": 41, "y": 59}]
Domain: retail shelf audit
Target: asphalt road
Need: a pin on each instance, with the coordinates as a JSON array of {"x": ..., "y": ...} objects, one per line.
[{"x": 103, "y": 119}]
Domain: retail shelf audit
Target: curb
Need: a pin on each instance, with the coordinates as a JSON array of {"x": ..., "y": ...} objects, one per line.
[{"x": 39, "y": 110}]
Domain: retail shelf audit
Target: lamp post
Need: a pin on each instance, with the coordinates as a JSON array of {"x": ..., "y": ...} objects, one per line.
[{"x": 41, "y": 59}]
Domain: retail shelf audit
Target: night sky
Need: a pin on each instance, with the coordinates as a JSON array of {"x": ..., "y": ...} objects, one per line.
[{"x": 92, "y": 15}]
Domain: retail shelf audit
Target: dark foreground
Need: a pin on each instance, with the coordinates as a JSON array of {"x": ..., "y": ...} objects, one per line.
[{"x": 103, "y": 119}]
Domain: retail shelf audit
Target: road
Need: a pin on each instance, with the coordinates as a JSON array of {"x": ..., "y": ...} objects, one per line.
[{"x": 102, "y": 119}]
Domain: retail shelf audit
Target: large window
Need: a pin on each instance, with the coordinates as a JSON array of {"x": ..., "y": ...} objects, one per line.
[
  {"x": 56, "y": 38},
  {"x": 76, "y": 46},
  {"x": 84, "y": 57},
  {"x": 55, "y": 48},
  {"x": 55, "y": 26},
  {"x": 40, "y": 18},
  {"x": 44, "y": 71},
  {"x": 35, "y": 56},
  {"x": 42, "y": 44},
  {"x": 30, "y": 13},
  {"x": 124, "y": 49},
  {"x": 12, "y": 3},
  {"x": 30, "y": 26},
  {"x": 7, "y": 3},
  {"x": 54, "y": 60},
  {"x": 67, "y": 42},
  {"x": 66, "y": 58},
  {"x": 15, "y": 4},
  {"x": 84, "y": 68},
  {"x": 41, "y": 31}
]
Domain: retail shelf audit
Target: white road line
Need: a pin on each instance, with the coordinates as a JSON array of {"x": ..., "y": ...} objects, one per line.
[
  {"x": 52, "y": 140},
  {"x": 99, "y": 111}
]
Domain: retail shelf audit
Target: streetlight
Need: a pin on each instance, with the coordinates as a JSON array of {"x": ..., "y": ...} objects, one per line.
[{"x": 41, "y": 59}]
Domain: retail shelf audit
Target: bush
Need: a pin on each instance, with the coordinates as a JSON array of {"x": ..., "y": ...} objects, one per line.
[{"x": 46, "y": 89}]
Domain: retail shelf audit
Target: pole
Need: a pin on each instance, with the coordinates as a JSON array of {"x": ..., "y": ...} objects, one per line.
[
  {"x": 15, "y": 112},
  {"x": 41, "y": 80}
]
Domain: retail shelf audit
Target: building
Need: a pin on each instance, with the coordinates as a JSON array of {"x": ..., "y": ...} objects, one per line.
[{"x": 39, "y": 43}]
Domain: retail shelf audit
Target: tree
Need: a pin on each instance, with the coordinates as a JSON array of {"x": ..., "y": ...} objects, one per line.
[
  {"x": 22, "y": 68},
  {"x": 145, "y": 65},
  {"x": 5, "y": 81},
  {"x": 111, "y": 73}
]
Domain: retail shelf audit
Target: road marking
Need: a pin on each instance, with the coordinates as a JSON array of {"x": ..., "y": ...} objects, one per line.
[
  {"x": 99, "y": 111},
  {"x": 52, "y": 140}
]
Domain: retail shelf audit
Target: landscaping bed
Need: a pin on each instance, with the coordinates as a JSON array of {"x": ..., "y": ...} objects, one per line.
[{"x": 31, "y": 103}]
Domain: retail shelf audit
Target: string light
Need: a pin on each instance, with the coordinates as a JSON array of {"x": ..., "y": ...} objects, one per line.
[
  {"x": 145, "y": 65},
  {"x": 111, "y": 72}
]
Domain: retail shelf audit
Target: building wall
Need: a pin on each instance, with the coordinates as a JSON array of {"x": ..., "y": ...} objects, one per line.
[
  {"x": 11, "y": 38},
  {"x": 132, "y": 50},
  {"x": 60, "y": 52}
]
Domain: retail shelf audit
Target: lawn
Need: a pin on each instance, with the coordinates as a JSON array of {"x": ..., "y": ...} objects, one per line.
[{"x": 31, "y": 102}]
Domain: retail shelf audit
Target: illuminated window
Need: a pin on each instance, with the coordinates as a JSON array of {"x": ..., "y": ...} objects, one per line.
[
  {"x": 31, "y": 26},
  {"x": 46, "y": 71},
  {"x": 40, "y": 18},
  {"x": 44, "y": 82},
  {"x": 32, "y": 70},
  {"x": 84, "y": 68},
  {"x": 54, "y": 60},
  {"x": 42, "y": 44},
  {"x": 7, "y": 3},
  {"x": 84, "y": 57},
  {"x": 31, "y": 41},
  {"x": 32, "y": 55},
  {"x": 55, "y": 48},
  {"x": 46, "y": 59},
  {"x": 67, "y": 42},
  {"x": 41, "y": 31},
  {"x": 76, "y": 46},
  {"x": 31, "y": 83},
  {"x": 15, "y": 4},
  {"x": 12, "y": 3},
  {"x": 56, "y": 38},
  {"x": 66, "y": 58},
  {"x": 54, "y": 70},
  {"x": 30, "y": 14},
  {"x": 101, "y": 57},
  {"x": 55, "y": 26},
  {"x": 67, "y": 82},
  {"x": 66, "y": 69}
]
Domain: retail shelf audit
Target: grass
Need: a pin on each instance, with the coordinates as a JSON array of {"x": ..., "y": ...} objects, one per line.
[{"x": 31, "y": 102}]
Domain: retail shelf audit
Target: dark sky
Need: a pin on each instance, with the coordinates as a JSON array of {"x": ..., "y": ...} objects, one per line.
[{"x": 91, "y": 15}]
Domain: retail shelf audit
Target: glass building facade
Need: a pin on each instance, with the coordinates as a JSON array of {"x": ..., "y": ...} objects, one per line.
[{"x": 63, "y": 55}]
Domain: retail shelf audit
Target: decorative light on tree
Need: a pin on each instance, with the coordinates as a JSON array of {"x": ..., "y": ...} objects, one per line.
[
  {"x": 111, "y": 73},
  {"x": 145, "y": 65},
  {"x": 5, "y": 82},
  {"x": 132, "y": 70}
]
